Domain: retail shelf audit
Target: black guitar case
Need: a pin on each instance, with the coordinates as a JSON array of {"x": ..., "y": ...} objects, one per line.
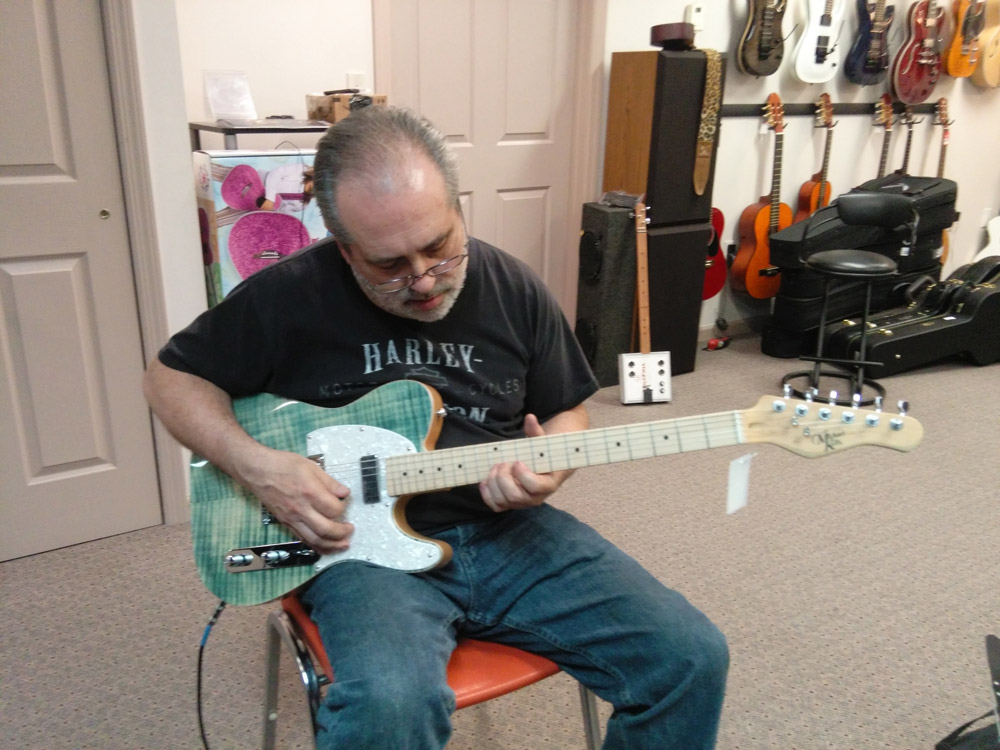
[{"x": 958, "y": 316}]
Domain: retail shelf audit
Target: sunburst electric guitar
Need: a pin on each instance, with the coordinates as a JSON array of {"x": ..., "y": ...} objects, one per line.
[{"x": 380, "y": 447}]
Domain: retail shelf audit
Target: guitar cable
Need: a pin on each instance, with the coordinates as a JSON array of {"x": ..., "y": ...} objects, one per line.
[{"x": 201, "y": 653}]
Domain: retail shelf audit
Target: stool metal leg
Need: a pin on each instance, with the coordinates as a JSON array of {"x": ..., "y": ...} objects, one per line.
[
  {"x": 280, "y": 632},
  {"x": 591, "y": 722}
]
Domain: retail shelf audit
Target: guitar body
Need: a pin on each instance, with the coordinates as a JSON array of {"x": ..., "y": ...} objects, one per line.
[
  {"x": 817, "y": 54},
  {"x": 962, "y": 55},
  {"x": 750, "y": 272},
  {"x": 868, "y": 60},
  {"x": 761, "y": 47},
  {"x": 917, "y": 66},
  {"x": 987, "y": 72},
  {"x": 715, "y": 264},
  {"x": 813, "y": 195},
  {"x": 225, "y": 517}
]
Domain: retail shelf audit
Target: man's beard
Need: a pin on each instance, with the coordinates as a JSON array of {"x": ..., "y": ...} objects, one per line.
[{"x": 449, "y": 286}]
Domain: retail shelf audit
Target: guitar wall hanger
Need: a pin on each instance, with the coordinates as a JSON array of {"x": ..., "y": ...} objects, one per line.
[{"x": 809, "y": 109}]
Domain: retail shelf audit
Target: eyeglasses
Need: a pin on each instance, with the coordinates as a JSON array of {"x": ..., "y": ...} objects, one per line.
[{"x": 405, "y": 282}]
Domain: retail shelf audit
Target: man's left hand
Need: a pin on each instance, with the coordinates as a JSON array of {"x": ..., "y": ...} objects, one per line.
[{"x": 513, "y": 485}]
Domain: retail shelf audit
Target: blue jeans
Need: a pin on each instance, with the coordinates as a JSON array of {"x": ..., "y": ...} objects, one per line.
[{"x": 539, "y": 580}]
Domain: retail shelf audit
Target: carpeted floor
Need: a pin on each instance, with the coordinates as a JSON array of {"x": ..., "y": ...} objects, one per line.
[{"x": 855, "y": 590}]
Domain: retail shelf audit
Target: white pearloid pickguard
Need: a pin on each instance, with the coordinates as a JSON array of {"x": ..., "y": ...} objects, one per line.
[{"x": 377, "y": 538}]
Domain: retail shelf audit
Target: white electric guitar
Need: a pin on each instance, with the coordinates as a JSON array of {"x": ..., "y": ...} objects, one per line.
[
  {"x": 993, "y": 246},
  {"x": 817, "y": 55}
]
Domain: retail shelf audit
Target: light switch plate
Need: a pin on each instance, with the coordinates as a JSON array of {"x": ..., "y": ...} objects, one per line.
[{"x": 644, "y": 378}]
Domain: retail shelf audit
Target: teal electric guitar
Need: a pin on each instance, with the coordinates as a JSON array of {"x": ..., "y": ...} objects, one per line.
[{"x": 380, "y": 446}]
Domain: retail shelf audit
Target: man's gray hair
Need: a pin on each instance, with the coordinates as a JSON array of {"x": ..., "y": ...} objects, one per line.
[{"x": 370, "y": 144}]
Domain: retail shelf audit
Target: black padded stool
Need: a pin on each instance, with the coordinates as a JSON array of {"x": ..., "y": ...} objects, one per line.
[{"x": 871, "y": 209}]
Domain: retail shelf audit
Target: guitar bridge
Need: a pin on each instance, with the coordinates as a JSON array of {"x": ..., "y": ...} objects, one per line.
[{"x": 268, "y": 556}]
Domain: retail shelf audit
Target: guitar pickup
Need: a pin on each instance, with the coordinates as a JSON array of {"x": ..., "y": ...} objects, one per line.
[{"x": 268, "y": 556}]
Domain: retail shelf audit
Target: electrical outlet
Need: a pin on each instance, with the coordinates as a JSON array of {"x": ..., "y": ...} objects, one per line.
[
  {"x": 644, "y": 378},
  {"x": 694, "y": 15}
]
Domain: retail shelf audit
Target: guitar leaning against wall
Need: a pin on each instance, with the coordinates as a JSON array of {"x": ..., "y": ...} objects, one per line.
[{"x": 752, "y": 270}]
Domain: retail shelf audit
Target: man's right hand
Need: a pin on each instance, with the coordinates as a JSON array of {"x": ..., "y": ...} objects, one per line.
[{"x": 299, "y": 494}]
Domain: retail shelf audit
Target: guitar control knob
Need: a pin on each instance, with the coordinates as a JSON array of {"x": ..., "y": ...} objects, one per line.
[
  {"x": 274, "y": 556},
  {"x": 238, "y": 561}
]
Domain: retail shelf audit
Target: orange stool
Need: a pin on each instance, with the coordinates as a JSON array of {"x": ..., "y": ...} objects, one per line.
[{"x": 478, "y": 670}]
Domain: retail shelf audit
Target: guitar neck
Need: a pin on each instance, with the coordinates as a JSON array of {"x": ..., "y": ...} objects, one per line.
[
  {"x": 826, "y": 166},
  {"x": 454, "y": 467},
  {"x": 642, "y": 282},
  {"x": 776, "y": 184},
  {"x": 906, "y": 151},
  {"x": 944, "y": 151}
]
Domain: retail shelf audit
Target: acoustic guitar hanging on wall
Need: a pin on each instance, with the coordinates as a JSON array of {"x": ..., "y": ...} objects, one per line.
[{"x": 752, "y": 270}]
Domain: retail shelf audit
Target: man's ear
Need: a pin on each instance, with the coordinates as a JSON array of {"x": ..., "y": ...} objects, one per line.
[{"x": 345, "y": 251}]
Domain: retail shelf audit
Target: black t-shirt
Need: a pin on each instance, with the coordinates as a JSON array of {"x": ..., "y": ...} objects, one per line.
[{"x": 303, "y": 329}]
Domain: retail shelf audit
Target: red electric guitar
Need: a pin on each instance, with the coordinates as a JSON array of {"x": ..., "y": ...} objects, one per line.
[{"x": 917, "y": 66}]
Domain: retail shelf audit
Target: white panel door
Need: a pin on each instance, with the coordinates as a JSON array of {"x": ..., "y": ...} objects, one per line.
[
  {"x": 497, "y": 76},
  {"x": 76, "y": 440}
]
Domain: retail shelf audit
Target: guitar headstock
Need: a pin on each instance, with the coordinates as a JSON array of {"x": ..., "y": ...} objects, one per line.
[
  {"x": 941, "y": 112},
  {"x": 774, "y": 113},
  {"x": 908, "y": 119},
  {"x": 883, "y": 112},
  {"x": 814, "y": 428},
  {"x": 824, "y": 111},
  {"x": 639, "y": 212}
]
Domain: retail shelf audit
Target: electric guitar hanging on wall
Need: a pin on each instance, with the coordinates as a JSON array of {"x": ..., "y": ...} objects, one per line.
[
  {"x": 885, "y": 117},
  {"x": 867, "y": 62},
  {"x": 381, "y": 448},
  {"x": 761, "y": 47},
  {"x": 815, "y": 192},
  {"x": 752, "y": 271},
  {"x": 817, "y": 55},
  {"x": 917, "y": 66},
  {"x": 962, "y": 54}
]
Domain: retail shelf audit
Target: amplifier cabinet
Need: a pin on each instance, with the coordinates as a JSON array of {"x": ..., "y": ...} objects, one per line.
[
  {"x": 605, "y": 288},
  {"x": 677, "y": 258}
]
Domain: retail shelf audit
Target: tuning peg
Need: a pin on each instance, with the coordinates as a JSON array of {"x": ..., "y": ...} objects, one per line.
[
  {"x": 856, "y": 400},
  {"x": 878, "y": 403},
  {"x": 833, "y": 398},
  {"x": 809, "y": 394},
  {"x": 786, "y": 390},
  {"x": 903, "y": 406}
]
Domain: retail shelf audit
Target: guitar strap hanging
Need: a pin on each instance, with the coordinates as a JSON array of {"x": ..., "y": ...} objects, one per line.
[{"x": 709, "y": 126}]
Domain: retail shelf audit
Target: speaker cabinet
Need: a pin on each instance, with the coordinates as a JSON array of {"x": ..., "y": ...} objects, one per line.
[
  {"x": 605, "y": 288},
  {"x": 677, "y": 258},
  {"x": 654, "y": 111}
]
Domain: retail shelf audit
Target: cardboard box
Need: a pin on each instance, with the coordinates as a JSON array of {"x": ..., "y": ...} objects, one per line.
[
  {"x": 254, "y": 208},
  {"x": 333, "y": 108}
]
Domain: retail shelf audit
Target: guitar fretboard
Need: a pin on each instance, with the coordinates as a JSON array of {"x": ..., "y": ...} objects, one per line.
[
  {"x": 453, "y": 467},
  {"x": 776, "y": 184}
]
